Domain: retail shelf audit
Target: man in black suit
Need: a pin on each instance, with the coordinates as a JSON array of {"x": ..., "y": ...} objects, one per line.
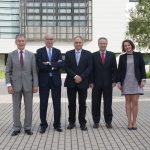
[
  {"x": 49, "y": 62},
  {"x": 78, "y": 63},
  {"x": 103, "y": 81}
]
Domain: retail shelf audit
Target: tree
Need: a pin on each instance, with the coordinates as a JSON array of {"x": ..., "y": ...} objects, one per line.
[{"x": 139, "y": 24}]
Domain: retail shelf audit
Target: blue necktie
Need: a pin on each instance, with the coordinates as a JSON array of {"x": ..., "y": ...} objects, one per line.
[
  {"x": 50, "y": 57},
  {"x": 77, "y": 57},
  {"x": 49, "y": 54}
]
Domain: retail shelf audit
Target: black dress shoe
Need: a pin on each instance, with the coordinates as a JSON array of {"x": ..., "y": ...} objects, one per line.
[
  {"x": 42, "y": 130},
  {"x": 14, "y": 133},
  {"x": 58, "y": 129},
  {"x": 96, "y": 125},
  {"x": 134, "y": 128},
  {"x": 28, "y": 132},
  {"x": 83, "y": 127},
  {"x": 71, "y": 126},
  {"x": 108, "y": 125},
  {"x": 129, "y": 128}
]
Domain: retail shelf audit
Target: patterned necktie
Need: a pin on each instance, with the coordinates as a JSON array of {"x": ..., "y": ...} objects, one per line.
[
  {"x": 77, "y": 57},
  {"x": 21, "y": 57},
  {"x": 103, "y": 57}
]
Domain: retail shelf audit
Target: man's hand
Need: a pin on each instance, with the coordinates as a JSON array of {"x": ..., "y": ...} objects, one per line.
[
  {"x": 34, "y": 89},
  {"x": 46, "y": 63},
  {"x": 77, "y": 79},
  {"x": 91, "y": 85},
  {"x": 59, "y": 60},
  {"x": 113, "y": 84},
  {"x": 10, "y": 89}
]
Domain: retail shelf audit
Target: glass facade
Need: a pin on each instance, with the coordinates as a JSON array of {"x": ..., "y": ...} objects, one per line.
[
  {"x": 9, "y": 18},
  {"x": 64, "y": 18}
]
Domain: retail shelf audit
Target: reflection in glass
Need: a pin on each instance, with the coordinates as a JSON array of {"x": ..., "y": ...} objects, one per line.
[
  {"x": 9, "y": 18},
  {"x": 64, "y": 18}
]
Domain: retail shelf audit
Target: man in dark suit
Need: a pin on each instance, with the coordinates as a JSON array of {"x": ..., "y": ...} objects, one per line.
[
  {"x": 103, "y": 81},
  {"x": 78, "y": 63},
  {"x": 49, "y": 62}
]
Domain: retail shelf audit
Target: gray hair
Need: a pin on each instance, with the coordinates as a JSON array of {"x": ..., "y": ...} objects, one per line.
[
  {"x": 79, "y": 37},
  {"x": 19, "y": 35},
  {"x": 103, "y": 38}
]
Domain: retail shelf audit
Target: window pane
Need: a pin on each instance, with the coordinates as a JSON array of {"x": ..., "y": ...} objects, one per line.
[{"x": 63, "y": 18}]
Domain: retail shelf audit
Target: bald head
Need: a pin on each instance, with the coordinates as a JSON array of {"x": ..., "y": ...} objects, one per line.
[
  {"x": 78, "y": 42},
  {"x": 49, "y": 40}
]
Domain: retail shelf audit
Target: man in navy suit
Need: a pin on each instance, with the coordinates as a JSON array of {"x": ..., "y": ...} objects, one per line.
[
  {"x": 49, "y": 62},
  {"x": 78, "y": 63},
  {"x": 103, "y": 81}
]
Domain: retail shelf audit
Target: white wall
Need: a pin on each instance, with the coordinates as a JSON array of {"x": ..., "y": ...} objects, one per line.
[{"x": 109, "y": 20}]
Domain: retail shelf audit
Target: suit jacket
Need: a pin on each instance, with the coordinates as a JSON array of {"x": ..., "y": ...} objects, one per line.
[
  {"x": 103, "y": 75},
  {"x": 139, "y": 67},
  {"x": 83, "y": 69},
  {"x": 45, "y": 70},
  {"x": 21, "y": 78}
]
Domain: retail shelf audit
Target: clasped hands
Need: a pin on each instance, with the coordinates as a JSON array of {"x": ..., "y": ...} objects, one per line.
[{"x": 77, "y": 79}]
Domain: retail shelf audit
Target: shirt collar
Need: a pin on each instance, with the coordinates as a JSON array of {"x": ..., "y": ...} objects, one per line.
[
  {"x": 101, "y": 52},
  {"x": 21, "y": 50},
  {"x": 48, "y": 48},
  {"x": 78, "y": 50}
]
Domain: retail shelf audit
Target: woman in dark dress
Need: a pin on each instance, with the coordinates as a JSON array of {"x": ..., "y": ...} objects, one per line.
[{"x": 131, "y": 80}]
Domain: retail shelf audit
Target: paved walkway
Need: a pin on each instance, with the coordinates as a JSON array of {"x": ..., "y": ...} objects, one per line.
[{"x": 118, "y": 138}]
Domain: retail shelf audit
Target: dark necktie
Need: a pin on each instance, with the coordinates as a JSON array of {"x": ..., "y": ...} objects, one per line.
[
  {"x": 103, "y": 57},
  {"x": 21, "y": 57}
]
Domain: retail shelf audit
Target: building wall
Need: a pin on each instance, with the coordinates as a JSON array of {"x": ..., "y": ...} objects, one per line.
[
  {"x": 9, "y": 18},
  {"x": 109, "y": 20}
]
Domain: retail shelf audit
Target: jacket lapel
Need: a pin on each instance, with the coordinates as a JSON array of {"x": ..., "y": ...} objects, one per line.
[
  {"x": 25, "y": 58},
  {"x": 74, "y": 57},
  {"x": 106, "y": 57},
  {"x": 81, "y": 57},
  {"x": 16, "y": 57},
  {"x": 125, "y": 60},
  {"x": 98, "y": 58},
  {"x": 134, "y": 59},
  {"x": 45, "y": 54},
  {"x": 53, "y": 54}
]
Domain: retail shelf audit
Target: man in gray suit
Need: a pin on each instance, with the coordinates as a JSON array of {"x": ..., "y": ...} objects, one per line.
[{"x": 21, "y": 79}]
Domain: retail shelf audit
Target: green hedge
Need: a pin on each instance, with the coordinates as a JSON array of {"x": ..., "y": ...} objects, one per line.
[
  {"x": 2, "y": 74},
  {"x": 148, "y": 74}
]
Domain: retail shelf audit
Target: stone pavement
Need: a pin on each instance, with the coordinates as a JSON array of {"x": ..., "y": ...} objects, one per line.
[{"x": 118, "y": 138}]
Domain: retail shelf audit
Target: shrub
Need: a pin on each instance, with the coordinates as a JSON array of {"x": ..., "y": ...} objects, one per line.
[
  {"x": 2, "y": 74},
  {"x": 148, "y": 74}
]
